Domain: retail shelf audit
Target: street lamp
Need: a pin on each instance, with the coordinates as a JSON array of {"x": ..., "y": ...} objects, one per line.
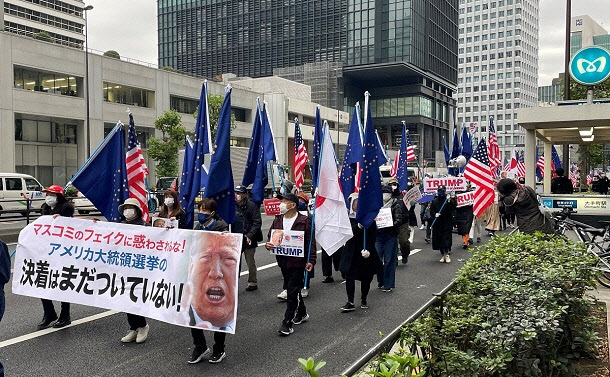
[{"x": 88, "y": 139}]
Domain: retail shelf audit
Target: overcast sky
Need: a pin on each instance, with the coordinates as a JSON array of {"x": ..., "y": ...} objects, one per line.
[{"x": 130, "y": 27}]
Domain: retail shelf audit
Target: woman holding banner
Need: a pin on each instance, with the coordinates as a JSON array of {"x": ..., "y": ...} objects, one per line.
[
  {"x": 171, "y": 209},
  {"x": 55, "y": 204}
]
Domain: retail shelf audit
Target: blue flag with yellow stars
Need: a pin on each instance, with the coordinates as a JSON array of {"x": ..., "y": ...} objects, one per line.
[
  {"x": 353, "y": 155},
  {"x": 317, "y": 143}
]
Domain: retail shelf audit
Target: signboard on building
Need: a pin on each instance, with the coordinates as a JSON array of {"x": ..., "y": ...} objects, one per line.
[{"x": 590, "y": 65}]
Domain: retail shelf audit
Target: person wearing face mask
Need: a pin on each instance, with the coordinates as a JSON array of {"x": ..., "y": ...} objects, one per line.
[
  {"x": 171, "y": 209},
  {"x": 293, "y": 268},
  {"x": 387, "y": 242},
  {"x": 209, "y": 220},
  {"x": 303, "y": 208},
  {"x": 406, "y": 231},
  {"x": 138, "y": 328},
  {"x": 251, "y": 230},
  {"x": 359, "y": 262},
  {"x": 55, "y": 204},
  {"x": 443, "y": 225}
]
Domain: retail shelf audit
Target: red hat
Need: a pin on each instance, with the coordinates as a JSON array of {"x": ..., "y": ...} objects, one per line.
[{"x": 54, "y": 189}]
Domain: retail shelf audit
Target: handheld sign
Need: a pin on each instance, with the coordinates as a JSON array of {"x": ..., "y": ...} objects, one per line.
[
  {"x": 412, "y": 195},
  {"x": 465, "y": 199},
  {"x": 161, "y": 222},
  {"x": 384, "y": 218},
  {"x": 272, "y": 206},
  {"x": 452, "y": 184},
  {"x": 289, "y": 243}
]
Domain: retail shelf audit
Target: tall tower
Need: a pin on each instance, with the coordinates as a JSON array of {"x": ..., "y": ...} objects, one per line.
[{"x": 497, "y": 65}]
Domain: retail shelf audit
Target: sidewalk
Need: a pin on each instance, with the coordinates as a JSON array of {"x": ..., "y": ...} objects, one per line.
[{"x": 602, "y": 294}]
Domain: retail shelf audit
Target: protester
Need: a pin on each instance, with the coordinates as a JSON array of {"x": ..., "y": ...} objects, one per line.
[
  {"x": 492, "y": 217},
  {"x": 171, "y": 209},
  {"x": 138, "y": 328},
  {"x": 251, "y": 215},
  {"x": 357, "y": 261},
  {"x": 293, "y": 268},
  {"x": 427, "y": 219},
  {"x": 55, "y": 204},
  {"x": 5, "y": 276},
  {"x": 208, "y": 219},
  {"x": 603, "y": 184},
  {"x": 561, "y": 184},
  {"x": 406, "y": 230},
  {"x": 476, "y": 230},
  {"x": 463, "y": 219},
  {"x": 387, "y": 242},
  {"x": 523, "y": 202},
  {"x": 304, "y": 209},
  {"x": 441, "y": 210}
]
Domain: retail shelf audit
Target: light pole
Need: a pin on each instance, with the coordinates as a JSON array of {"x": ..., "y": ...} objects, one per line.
[
  {"x": 566, "y": 74},
  {"x": 88, "y": 135}
]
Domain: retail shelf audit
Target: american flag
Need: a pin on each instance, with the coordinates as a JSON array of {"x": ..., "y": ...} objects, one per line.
[
  {"x": 479, "y": 172},
  {"x": 410, "y": 149},
  {"x": 507, "y": 165},
  {"x": 540, "y": 164},
  {"x": 136, "y": 170},
  {"x": 300, "y": 156},
  {"x": 590, "y": 178},
  {"x": 494, "y": 149},
  {"x": 574, "y": 174},
  {"x": 394, "y": 167},
  {"x": 473, "y": 127},
  {"x": 520, "y": 164}
]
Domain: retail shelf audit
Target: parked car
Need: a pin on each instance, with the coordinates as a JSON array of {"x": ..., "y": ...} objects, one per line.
[
  {"x": 14, "y": 188},
  {"x": 82, "y": 204}
]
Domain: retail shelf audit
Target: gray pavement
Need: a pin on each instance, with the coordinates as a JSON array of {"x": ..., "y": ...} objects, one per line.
[{"x": 93, "y": 348}]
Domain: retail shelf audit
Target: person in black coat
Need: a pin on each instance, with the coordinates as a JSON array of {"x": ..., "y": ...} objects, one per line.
[
  {"x": 387, "y": 242},
  {"x": 561, "y": 184},
  {"x": 359, "y": 262},
  {"x": 442, "y": 223},
  {"x": 56, "y": 205},
  {"x": 463, "y": 221},
  {"x": 251, "y": 230}
]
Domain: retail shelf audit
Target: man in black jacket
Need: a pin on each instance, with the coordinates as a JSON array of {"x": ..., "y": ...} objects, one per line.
[
  {"x": 561, "y": 184},
  {"x": 252, "y": 222}
]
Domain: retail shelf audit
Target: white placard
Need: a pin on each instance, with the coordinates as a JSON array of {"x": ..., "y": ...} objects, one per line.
[
  {"x": 161, "y": 222},
  {"x": 411, "y": 196},
  {"x": 465, "y": 199},
  {"x": 384, "y": 218},
  {"x": 288, "y": 243},
  {"x": 452, "y": 184}
]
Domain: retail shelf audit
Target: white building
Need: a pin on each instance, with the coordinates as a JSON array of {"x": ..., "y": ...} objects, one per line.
[
  {"x": 497, "y": 65},
  {"x": 62, "y": 19},
  {"x": 43, "y": 107}
]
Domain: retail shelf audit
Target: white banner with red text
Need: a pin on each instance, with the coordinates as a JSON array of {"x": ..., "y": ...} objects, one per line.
[
  {"x": 451, "y": 183},
  {"x": 183, "y": 277}
]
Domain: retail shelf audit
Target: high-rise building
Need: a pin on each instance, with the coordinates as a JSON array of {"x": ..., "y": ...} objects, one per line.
[
  {"x": 498, "y": 65},
  {"x": 62, "y": 20},
  {"x": 404, "y": 52}
]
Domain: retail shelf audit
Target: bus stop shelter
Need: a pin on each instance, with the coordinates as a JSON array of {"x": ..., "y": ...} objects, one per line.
[{"x": 572, "y": 122}]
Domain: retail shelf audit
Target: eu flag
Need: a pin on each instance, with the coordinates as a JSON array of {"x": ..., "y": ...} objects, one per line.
[
  {"x": 193, "y": 178},
  {"x": 187, "y": 168},
  {"x": 466, "y": 143},
  {"x": 371, "y": 198},
  {"x": 455, "y": 152},
  {"x": 402, "y": 173},
  {"x": 353, "y": 155},
  {"x": 267, "y": 137},
  {"x": 103, "y": 177},
  {"x": 254, "y": 173},
  {"x": 220, "y": 183},
  {"x": 317, "y": 143},
  {"x": 556, "y": 160},
  {"x": 446, "y": 151}
]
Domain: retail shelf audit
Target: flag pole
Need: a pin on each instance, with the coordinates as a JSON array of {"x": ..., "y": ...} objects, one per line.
[{"x": 315, "y": 203}]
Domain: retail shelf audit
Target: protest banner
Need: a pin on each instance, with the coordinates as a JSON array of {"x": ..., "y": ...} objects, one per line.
[
  {"x": 384, "y": 218},
  {"x": 161, "y": 222},
  {"x": 289, "y": 243},
  {"x": 272, "y": 206},
  {"x": 412, "y": 195},
  {"x": 452, "y": 184},
  {"x": 148, "y": 271},
  {"x": 465, "y": 199}
]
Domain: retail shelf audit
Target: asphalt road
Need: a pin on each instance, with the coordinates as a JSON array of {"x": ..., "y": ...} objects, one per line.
[{"x": 92, "y": 347}]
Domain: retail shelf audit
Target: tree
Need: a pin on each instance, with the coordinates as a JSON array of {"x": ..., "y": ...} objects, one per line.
[
  {"x": 215, "y": 104},
  {"x": 43, "y": 36},
  {"x": 596, "y": 155},
  {"x": 165, "y": 150},
  {"x": 579, "y": 91},
  {"x": 112, "y": 54},
  {"x": 169, "y": 68}
]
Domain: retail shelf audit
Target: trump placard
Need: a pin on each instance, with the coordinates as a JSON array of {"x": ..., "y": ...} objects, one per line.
[
  {"x": 452, "y": 184},
  {"x": 183, "y": 277},
  {"x": 289, "y": 243},
  {"x": 465, "y": 199}
]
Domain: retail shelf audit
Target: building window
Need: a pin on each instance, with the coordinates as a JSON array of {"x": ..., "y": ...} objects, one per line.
[
  {"x": 47, "y": 82},
  {"x": 127, "y": 95},
  {"x": 184, "y": 105},
  {"x": 45, "y": 131}
]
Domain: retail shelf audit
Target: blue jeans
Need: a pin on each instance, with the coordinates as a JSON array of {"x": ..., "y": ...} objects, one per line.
[{"x": 387, "y": 248}]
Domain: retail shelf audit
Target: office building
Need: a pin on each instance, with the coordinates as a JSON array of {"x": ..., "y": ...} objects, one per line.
[
  {"x": 43, "y": 107},
  {"x": 404, "y": 52},
  {"x": 63, "y": 20},
  {"x": 498, "y": 65}
]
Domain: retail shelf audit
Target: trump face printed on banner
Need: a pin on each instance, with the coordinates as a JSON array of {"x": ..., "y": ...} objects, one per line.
[{"x": 213, "y": 281}]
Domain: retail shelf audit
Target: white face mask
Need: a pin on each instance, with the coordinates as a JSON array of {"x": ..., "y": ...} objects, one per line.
[
  {"x": 129, "y": 213},
  {"x": 169, "y": 202},
  {"x": 51, "y": 201},
  {"x": 283, "y": 208},
  {"x": 387, "y": 196}
]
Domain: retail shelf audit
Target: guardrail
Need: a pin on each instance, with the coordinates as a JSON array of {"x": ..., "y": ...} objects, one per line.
[{"x": 386, "y": 344}]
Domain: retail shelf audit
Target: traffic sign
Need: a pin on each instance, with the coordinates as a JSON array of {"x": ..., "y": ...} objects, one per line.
[{"x": 590, "y": 65}]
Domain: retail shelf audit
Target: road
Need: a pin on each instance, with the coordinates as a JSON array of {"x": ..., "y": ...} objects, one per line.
[{"x": 92, "y": 347}]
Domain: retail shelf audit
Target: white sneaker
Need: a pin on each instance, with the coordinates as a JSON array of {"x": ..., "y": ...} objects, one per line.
[
  {"x": 447, "y": 259},
  {"x": 422, "y": 226},
  {"x": 283, "y": 295},
  {"x": 442, "y": 259},
  {"x": 142, "y": 334},
  {"x": 130, "y": 337},
  {"x": 304, "y": 292}
]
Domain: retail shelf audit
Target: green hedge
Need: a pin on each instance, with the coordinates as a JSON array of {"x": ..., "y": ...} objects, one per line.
[{"x": 518, "y": 309}]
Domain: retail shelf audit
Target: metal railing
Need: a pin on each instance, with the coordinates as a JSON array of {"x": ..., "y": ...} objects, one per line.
[{"x": 386, "y": 344}]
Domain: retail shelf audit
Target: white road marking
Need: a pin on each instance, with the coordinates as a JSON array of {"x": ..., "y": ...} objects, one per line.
[{"x": 51, "y": 330}]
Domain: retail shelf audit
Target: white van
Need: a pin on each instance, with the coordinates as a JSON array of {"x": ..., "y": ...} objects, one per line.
[{"x": 13, "y": 188}]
